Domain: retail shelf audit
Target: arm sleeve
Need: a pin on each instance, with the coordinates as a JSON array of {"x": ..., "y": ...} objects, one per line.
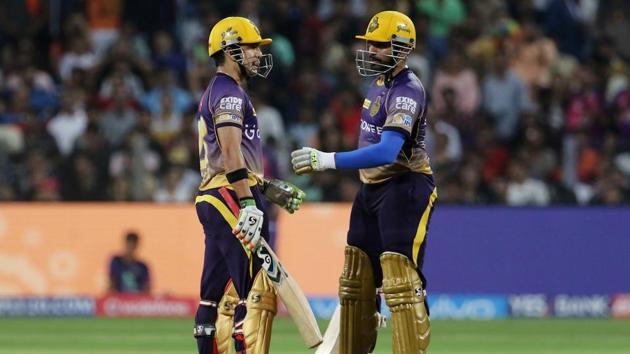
[{"x": 383, "y": 153}]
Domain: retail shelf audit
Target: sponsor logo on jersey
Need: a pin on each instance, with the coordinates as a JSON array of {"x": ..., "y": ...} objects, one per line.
[
  {"x": 406, "y": 103},
  {"x": 226, "y": 117},
  {"x": 402, "y": 119},
  {"x": 366, "y": 103},
  {"x": 231, "y": 103},
  {"x": 371, "y": 128},
  {"x": 251, "y": 131}
]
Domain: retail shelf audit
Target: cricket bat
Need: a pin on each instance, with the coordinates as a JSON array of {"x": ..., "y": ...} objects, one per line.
[
  {"x": 330, "y": 345},
  {"x": 287, "y": 288},
  {"x": 292, "y": 296}
]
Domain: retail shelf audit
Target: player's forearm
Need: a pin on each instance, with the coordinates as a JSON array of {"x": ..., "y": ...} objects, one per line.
[
  {"x": 383, "y": 153},
  {"x": 237, "y": 175}
]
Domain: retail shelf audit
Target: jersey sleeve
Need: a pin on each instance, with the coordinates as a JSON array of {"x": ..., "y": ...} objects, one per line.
[
  {"x": 405, "y": 105},
  {"x": 227, "y": 108}
]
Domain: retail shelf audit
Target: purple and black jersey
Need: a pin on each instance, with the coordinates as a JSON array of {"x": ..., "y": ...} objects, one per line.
[
  {"x": 225, "y": 103},
  {"x": 397, "y": 105}
]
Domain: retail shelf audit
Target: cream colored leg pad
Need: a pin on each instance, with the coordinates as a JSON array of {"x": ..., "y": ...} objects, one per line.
[
  {"x": 404, "y": 295},
  {"x": 357, "y": 296},
  {"x": 225, "y": 320},
  {"x": 261, "y": 309}
]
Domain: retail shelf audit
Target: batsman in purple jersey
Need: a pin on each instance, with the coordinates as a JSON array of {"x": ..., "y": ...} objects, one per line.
[
  {"x": 391, "y": 212},
  {"x": 238, "y": 302}
]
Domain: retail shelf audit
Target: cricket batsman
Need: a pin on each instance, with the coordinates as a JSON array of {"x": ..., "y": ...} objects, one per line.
[
  {"x": 390, "y": 215},
  {"x": 238, "y": 302}
]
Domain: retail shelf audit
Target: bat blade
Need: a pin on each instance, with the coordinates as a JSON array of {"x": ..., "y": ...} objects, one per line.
[
  {"x": 330, "y": 344},
  {"x": 292, "y": 296}
]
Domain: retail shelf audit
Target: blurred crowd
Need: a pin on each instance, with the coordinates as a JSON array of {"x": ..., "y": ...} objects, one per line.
[{"x": 529, "y": 99}]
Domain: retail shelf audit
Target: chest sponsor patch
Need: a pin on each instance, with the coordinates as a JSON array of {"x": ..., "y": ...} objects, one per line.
[
  {"x": 366, "y": 103},
  {"x": 371, "y": 128}
]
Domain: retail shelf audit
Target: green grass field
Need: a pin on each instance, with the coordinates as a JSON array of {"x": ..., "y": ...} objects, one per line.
[{"x": 173, "y": 336}]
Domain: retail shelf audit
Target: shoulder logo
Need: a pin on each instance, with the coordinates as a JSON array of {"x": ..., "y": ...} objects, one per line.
[
  {"x": 373, "y": 25},
  {"x": 376, "y": 105},
  {"x": 231, "y": 103},
  {"x": 402, "y": 27},
  {"x": 406, "y": 104},
  {"x": 402, "y": 119}
]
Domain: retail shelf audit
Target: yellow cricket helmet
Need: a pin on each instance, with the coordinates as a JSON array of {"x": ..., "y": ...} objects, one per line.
[
  {"x": 234, "y": 30},
  {"x": 387, "y": 26}
]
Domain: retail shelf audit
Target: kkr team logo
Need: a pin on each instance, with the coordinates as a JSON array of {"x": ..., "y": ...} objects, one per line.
[
  {"x": 402, "y": 27},
  {"x": 373, "y": 25},
  {"x": 229, "y": 34},
  {"x": 376, "y": 105}
]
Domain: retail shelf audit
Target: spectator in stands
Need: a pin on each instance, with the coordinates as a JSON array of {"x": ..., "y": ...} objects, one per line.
[
  {"x": 79, "y": 56},
  {"x": 119, "y": 117},
  {"x": 571, "y": 56},
  {"x": 522, "y": 189},
  {"x": 127, "y": 273},
  {"x": 69, "y": 124},
  {"x": 167, "y": 85},
  {"x": 505, "y": 98},
  {"x": 455, "y": 74},
  {"x": 443, "y": 15},
  {"x": 532, "y": 56}
]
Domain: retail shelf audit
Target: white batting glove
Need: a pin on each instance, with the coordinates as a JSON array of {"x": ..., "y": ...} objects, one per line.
[
  {"x": 249, "y": 224},
  {"x": 307, "y": 160}
]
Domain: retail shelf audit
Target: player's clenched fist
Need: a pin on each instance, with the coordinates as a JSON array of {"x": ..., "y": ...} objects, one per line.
[
  {"x": 307, "y": 160},
  {"x": 249, "y": 224}
]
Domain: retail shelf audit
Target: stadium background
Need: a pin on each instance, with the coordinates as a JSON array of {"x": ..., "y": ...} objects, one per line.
[{"x": 529, "y": 138}]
